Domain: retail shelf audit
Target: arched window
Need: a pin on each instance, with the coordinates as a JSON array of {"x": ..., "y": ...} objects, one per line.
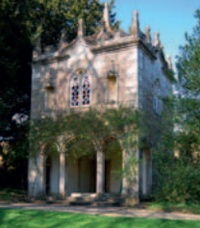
[
  {"x": 85, "y": 90},
  {"x": 75, "y": 93},
  {"x": 80, "y": 90}
]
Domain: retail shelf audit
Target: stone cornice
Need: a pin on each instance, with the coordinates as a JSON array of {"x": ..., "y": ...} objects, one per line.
[
  {"x": 122, "y": 43},
  {"x": 105, "y": 46},
  {"x": 149, "y": 52},
  {"x": 50, "y": 59}
]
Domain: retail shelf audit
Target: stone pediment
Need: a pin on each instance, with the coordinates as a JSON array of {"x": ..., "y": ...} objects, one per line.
[
  {"x": 77, "y": 49},
  {"x": 80, "y": 54}
]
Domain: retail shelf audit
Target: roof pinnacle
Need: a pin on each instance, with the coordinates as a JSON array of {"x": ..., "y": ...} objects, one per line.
[
  {"x": 81, "y": 31},
  {"x": 148, "y": 34},
  {"x": 135, "y": 27},
  {"x": 106, "y": 18}
]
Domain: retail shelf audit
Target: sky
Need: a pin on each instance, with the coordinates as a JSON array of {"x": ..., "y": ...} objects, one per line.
[{"x": 172, "y": 18}]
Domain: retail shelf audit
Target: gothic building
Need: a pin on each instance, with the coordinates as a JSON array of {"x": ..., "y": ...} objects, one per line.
[{"x": 105, "y": 69}]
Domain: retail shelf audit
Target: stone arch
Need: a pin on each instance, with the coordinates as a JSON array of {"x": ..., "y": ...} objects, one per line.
[
  {"x": 80, "y": 166},
  {"x": 50, "y": 151},
  {"x": 50, "y": 144}
]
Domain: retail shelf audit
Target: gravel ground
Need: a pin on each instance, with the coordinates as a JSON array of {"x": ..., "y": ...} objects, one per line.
[{"x": 104, "y": 211}]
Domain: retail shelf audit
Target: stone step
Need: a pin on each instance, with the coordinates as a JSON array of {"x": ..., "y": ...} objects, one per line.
[
  {"x": 80, "y": 199},
  {"x": 105, "y": 204},
  {"x": 77, "y": 194},
  {"x": 107, "y": 199}
]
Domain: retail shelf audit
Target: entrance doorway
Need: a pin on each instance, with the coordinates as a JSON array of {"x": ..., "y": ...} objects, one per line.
[
  {"x": 47, "y": 175},
  {"x": 80, "y": 174},
  {"x": 113, "y": 166},
  {"x": 107, "y": 175},
  {"x": 146, "y": 168},
  {"x": 86, "y": 175}
]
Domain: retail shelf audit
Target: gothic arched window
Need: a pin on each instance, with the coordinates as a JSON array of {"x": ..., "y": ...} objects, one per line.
[
  {"x": 80, "y": 90},
  {"x": 85, "y": 90},
  {"x": 75, "y": 93}
]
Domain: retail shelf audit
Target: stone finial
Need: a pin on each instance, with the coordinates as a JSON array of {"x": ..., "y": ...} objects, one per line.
[
  {"x": 117, "y": 35},
  {"x": 81, "y": 31},
  {"x": 169, "y": 62},
  {"x": 135, "y": 27},
  {"x": 157, "y": 40},
  {"x": 62, "y": 37},
  {"x": 112, "y": 72},
  {"x": 148, "y": 34},
  {"x": 106, "y": 17},
  {"x": 37, "y": 49}
]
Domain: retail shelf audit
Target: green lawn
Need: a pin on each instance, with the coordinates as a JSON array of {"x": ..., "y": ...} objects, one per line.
[{"x": 11, "y": 218}]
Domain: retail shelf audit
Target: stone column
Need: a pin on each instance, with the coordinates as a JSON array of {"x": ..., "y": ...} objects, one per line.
[
  {"x": 36, "y": 184},
  {"x": 124, "y": 177},
  {"x": 130, "y": 181},
  {"x": 100, "y": 178},
  {"x": 62, "y": 175}
]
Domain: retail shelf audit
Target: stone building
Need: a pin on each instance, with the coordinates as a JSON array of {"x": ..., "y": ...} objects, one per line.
[{"x": 105, "y": 69}]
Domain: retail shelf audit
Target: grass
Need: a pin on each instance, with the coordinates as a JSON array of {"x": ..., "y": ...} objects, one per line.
[
  {"x": 34, "y": 219},
  {"x": 179, "y": 207}
]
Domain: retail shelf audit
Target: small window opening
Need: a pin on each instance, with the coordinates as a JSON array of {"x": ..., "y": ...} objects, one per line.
[
  {"x": 112, "y": 89},
  {"x": 49, "y": 100}
]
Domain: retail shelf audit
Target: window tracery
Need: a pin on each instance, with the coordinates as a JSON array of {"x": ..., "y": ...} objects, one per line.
[
  {"x": 85, "y": 90},
  {"x": 80, "y": 90},
  {"x": 75, "y": 91}
]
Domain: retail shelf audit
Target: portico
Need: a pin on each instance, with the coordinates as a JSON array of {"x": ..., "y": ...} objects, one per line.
[{"x": 64, "y": 173}]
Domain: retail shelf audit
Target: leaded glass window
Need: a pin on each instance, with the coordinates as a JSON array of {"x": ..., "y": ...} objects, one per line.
[
  {"x": 80, "y": 90},
  {"x": 85, "y": 90},
  {"x": 75, "y": 93}
]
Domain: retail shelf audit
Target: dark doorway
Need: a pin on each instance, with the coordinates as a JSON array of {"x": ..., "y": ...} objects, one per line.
[
  {"x": 107, "y": 175},
  {"x": 48, "y": 175},
  {"x": 86, "y": 175}
]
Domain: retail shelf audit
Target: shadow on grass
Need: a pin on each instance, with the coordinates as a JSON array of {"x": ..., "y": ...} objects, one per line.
[
  {"x": 179, "y": 207},
  {"x": 34, "y": 219}
]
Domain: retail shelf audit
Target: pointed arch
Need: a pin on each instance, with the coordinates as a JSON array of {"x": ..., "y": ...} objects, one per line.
[
  {"x": 80, "y": 89},
  {"x": 86, "y": 91},
  {"x": 75, "y": 91}
]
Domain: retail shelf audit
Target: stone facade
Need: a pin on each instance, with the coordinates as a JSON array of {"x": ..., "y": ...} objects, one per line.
[{"x": 119, "y": 68}]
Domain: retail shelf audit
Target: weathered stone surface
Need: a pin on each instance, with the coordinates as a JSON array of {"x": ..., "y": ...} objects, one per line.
[{"x": 121, "y": 68}]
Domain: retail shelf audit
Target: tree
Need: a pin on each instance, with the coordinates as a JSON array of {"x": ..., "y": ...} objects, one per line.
[
  {"x": 181, "y": 171},
  {"x": 21, "y": 23},
  {"x": 189, "y": 97}
]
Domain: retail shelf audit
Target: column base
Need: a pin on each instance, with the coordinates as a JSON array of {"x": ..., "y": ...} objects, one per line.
[{"x": 130, "y": 201}]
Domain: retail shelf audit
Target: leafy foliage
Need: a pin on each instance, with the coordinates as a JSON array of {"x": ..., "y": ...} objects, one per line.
[
  {"x": 178, "y": 176},
  {"x": 21, "y": 23},
  {"x": 89, "y": 126},
  {"x": 189, "y": 98}
]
